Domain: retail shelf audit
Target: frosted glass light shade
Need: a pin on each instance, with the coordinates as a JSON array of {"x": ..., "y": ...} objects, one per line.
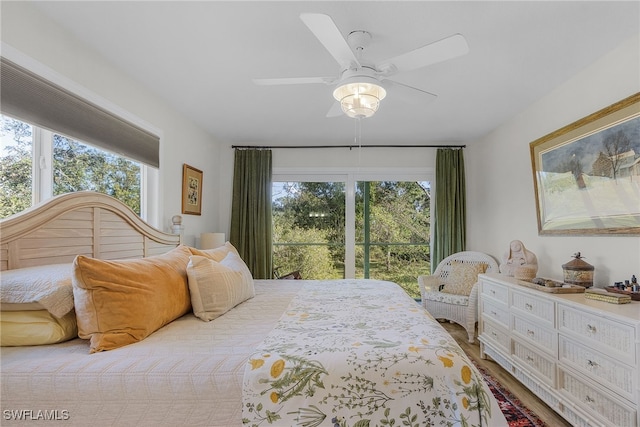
[
  {"x": 360, "y": 98},
  {"x": 211, "y": 240}
]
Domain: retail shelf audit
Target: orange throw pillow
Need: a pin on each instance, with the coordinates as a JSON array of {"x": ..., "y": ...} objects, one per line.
[{"x": 122, "y": 302}]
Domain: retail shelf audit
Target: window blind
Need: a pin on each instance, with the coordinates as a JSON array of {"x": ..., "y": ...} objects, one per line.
[{"x": 31, "y": 98}]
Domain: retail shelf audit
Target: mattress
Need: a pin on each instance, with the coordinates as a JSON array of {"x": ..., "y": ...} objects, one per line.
[{"x": 187, "y": 373}]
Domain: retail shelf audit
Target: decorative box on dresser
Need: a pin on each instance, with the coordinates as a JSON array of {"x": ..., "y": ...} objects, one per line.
[{"x": 580, "y": 356}]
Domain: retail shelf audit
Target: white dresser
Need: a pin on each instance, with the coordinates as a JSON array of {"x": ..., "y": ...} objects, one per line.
[{"x": 580, "y": 356}]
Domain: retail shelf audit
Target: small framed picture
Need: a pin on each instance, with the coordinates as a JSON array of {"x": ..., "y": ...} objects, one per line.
[{"x": 191, "y": 190}]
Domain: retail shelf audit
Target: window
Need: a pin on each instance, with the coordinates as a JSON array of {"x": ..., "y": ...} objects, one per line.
[
  {"x": 37, "y": 164},
  {"x": 36, "y": 95},
  {"x": 339, "y": 226}
]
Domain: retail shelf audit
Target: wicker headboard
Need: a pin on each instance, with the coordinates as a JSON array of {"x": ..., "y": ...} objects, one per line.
[{"x": 81, "y": 223}]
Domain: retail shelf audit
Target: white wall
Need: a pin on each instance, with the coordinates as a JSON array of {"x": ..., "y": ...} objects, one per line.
[
  {"x": 27, "y": 30},
  {"x": 500, "y": 181}
]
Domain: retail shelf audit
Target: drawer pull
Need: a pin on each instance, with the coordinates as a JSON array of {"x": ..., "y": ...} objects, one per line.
[
  {"x": 588, "y": 399},
  {"x": 592, "y": 329},
  {"x": 529, "y": 359},
  {"x": 494, "y": 313},
  {"x": 492, "y": 292},
  {"x": 494, "y": 334},
  {"x": 530, "y": 332},
  {"x": 592, "y": 364},
  {"x": 528, "y": 306}
]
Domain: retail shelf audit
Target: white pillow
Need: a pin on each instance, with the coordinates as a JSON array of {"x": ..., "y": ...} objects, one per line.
[
  {"x": 35, "y": 288},
  {"x": 216, "y": 254},
  {"x": 217, "y": 287}
]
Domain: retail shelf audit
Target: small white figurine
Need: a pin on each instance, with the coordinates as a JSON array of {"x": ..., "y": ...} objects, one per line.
[{"x": 518, "y": 258}]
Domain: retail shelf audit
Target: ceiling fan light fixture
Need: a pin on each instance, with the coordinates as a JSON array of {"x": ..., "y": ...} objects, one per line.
[{"x": 360, "y": 98}]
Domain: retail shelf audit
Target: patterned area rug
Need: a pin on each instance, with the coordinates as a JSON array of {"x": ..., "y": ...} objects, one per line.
[{"x": 514, "y": 411}]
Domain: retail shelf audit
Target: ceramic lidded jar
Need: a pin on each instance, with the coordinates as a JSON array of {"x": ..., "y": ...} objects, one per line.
[{"x": 578, "y": 272}]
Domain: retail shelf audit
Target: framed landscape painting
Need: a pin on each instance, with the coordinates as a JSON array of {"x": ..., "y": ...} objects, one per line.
[
  {"x": 587, "y": 175},
  {"x": 191, "y": 190}
]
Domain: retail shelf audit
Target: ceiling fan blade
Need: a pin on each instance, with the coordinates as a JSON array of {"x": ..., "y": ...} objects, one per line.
[
  {"x": 409, "y": 94},
  {"x": 442, "y": 50},
  {"x": 295, "y": 81},
  {"x": 325, "y": 30},
  {"x": 335, "y": 110}
]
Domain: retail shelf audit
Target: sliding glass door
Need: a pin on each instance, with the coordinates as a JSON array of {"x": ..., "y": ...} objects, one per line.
[
  {"x": 392, "y": 231},
  {"x": 350, "y": 226},
  {"x": 309, "y": 229}
]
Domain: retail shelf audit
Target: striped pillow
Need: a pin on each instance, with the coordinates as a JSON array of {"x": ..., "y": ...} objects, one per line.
[{"x": 217, "y": 287}]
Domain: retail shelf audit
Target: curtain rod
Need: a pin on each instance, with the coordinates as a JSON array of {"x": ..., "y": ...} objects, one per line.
[{"x": 243, "y": 147}]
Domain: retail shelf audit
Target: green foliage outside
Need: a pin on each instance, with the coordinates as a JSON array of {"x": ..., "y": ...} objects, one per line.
[
  {"x": 15, "y": 168},
  {"x": 76, "y": 167},
  {"x": 311, "y": 217}
]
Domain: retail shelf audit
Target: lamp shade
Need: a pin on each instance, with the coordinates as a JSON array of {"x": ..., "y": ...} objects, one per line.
[
  {"x": 211, "y": 240},
  {"x": 360, "y": 97}
]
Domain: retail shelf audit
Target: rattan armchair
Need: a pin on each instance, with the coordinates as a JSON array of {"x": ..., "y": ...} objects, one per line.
[{"x": 461, "y": 309}]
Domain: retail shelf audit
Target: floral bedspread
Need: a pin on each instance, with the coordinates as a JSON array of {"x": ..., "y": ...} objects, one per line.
[{"x": 357, "y": 353}]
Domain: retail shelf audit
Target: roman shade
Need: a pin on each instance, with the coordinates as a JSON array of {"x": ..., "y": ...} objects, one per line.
[{"x": 33, "y": 99}]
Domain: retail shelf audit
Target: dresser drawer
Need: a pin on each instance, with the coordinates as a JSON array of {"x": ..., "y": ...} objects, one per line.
[
  {"x": 541, "y": 364},
  {"x": 595, "y": 400},
  {"x": 611, "y": 373},
  {"x": 540, "y": 308},
  {"x": 495, "y": 291},
  {"x": 496, "y": 312},
  {"x": 614, "y": 339},
  {"x": 498, "y": 335},
  {"x": 540, "y": 336}
]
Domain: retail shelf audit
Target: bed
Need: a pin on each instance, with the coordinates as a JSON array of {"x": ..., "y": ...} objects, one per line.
[{"x": 284, "y": 353}]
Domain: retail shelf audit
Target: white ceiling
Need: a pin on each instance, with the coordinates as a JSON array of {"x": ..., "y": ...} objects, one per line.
[{"x": 202, "y": 56}]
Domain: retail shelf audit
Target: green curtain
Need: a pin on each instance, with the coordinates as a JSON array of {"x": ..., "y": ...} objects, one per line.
[
  {"x": 449, "y": 234},
  {"x": 251, "y": 210}
]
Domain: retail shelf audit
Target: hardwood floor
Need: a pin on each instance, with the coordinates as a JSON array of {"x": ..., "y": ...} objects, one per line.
[{"x": 530, "y": 400}]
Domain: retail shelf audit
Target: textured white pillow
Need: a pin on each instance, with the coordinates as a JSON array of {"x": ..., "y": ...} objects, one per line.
[
  {"x": 217, "y": 287},
  {"x": 216, "y": 254},
  {"x": 35, "y": 288}
]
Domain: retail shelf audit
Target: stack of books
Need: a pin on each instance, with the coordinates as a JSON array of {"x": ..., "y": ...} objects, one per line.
[{"x": 603, "y": 295}]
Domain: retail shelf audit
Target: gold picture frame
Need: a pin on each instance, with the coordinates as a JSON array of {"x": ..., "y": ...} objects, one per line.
[
  {"x": 586, "y": 175},
  {"x": 191, "y": 190}
]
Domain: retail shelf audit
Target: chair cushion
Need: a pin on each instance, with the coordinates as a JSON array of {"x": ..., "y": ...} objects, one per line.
[
  {"x": 446, "y": 298},
  {"x": 462, "y": 277}
]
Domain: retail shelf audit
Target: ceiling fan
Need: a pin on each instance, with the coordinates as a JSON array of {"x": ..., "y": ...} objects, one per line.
[{"x": 360, "y": 85}]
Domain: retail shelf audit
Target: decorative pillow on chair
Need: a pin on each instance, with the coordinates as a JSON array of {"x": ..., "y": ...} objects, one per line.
[
  {"x": 462, "y": 277},
  {"x": 122, "y": 302}
]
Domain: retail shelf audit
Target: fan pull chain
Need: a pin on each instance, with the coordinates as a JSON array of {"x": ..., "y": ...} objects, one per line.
[{"x": 358, "y": 138}]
